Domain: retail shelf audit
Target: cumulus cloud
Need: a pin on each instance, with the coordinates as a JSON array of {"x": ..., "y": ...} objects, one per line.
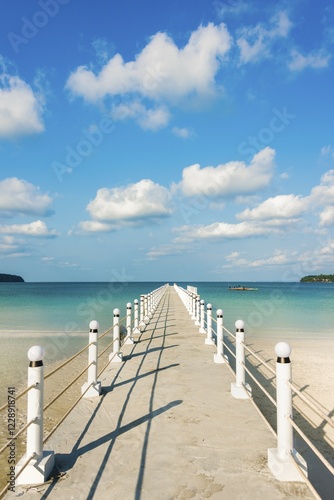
[
  {"x": 21, "y": 109},
  {"x": 278, "y": 207},
  {"x": 37, "y": 229},
  {"x": 149, "y": 119},
  {"x": 18, "y": 196},
  {"x": 134, "y": 203},
  {"x": 255, "y": 42},
  {"x": 161, "y": 74},
  {"x": 229, "y": 179},
  {"x": 161, "y": 70},
  {"x": 315, "y": 60},
  {"x": 224, "y": 230},
  {"x": 327, "y": 216},
  {"x": 94, "y": 226},
  {"x": 324, "y": 192}
]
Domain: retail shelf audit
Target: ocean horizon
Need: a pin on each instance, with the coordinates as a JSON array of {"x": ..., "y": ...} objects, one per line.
[{"x": 56, "y": 315}]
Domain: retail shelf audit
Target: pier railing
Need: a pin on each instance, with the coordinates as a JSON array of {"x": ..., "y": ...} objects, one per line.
[
  {"x": 285, "y": 462},
  {"x": 36, "y": 464}
]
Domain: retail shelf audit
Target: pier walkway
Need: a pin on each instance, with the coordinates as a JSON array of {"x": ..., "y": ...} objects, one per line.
[{"x": 165, "y": 427}]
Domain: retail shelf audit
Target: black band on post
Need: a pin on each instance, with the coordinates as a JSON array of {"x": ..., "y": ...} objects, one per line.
[
  {"x": 35, "y": 364},
  {"x": 283, "y": 360}
]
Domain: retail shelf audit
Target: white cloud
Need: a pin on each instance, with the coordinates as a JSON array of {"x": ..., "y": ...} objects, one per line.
[
  {"x": 327, "y": 216},
  {"x": 161, "y": 73},
  {"x": 279, "y": 258},
  {"x": 149, "y": 119},
  {"x": 19, "y": 196},
  {"x": 224, "y": 230},
  {"x": 229, "y": 179},
  {"x": 255, "y": 42},
  {"x": 323, "y": 194},
  {"x": 183, "y": 132},
  {"x": 94, "y": 226},
  {"x": 21, "y": 109},
  {"x": 135, "y": 202},
  {"x": 278, "y": 207},
  {"x": 315, "y": 60},
  {"x": 37, "y": 229},
  {"x": 161, "y": 70}
]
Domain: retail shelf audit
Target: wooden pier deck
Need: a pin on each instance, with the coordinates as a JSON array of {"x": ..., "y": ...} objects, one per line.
[{"x": 165, "y": 427}]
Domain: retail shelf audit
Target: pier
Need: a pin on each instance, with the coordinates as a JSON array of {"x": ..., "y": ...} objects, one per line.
[{"x": 164, "y": 426}]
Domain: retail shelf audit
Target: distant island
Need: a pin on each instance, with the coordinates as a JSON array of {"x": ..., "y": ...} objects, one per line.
[
  {"x": 9, "y": 278},
  {"x": 318, "y": 278}
]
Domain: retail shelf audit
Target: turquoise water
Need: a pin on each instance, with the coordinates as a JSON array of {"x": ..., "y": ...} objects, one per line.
[
  {"x": 57, "y": 315},
  {"x": 296, "y": 308}
]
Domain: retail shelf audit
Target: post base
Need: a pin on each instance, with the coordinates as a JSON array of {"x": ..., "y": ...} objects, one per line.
[
  {"x": 209, "y": 342},
  {"x": 285, "y": 469},
  {"x": 135, "y": 331},
  {"x": 129, "y": 340},
  {"x": 202, "y": 330},
  {"x": 116, "y": 359},
  {"x": 93, "y": 391},
  {"x": 241, "y": 392},
  {"x": 219, "y": 358},
  {"x": 142, "y": 326},
  {"x": 37, "y": 471},
  {"x": 197, "y": 323}
]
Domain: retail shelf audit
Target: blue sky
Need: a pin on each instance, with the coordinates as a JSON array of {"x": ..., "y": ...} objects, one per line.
[{"x": 177, "y": 141}]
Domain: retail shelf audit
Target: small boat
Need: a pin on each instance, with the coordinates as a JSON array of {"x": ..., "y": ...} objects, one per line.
[{"x": 243, "y": 288}]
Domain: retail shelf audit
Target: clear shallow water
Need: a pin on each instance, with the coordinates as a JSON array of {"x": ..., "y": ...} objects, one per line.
[
  {"x": 298, "y": 308},
  {"x": 57, "y": 315}
]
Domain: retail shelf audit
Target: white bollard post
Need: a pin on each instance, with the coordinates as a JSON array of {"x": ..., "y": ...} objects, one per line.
[
  {"x": 218, "y": 357},
  {"x": 94, "y": 386},
  {"x": 208, "y": 338},
  {"x": 150, "y": 305},
  {"x": 146, "y": 311},
  {"x": 280, "y": 459},
  {"x": 239, "y": 388},
  {"x": 136, "y": 318},
  {"x": 40, "y": 467},
  {"x": 142, "y": 323},
  {"x": 128, "y": 339},
  {"x": 116, "y": 356},
  {"x": 202, "y": 323},
  {"x": 197, "y": 322},
  {"x": 193, "y": 307}
]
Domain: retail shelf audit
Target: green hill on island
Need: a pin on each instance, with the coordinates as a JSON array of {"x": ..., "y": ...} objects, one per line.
[
  {"x": 318, "y": 278},
  {"x": 8, "y": 278}
]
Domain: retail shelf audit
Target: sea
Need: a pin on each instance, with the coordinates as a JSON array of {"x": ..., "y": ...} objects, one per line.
[{"x": 57, "y": 315}]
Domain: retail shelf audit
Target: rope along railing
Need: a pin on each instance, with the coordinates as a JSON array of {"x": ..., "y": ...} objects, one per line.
[
  {"x": 36, "y": 465},
  {"x": 284, "y": 461}
]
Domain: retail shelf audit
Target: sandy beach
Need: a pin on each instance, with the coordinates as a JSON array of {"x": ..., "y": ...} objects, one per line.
[{"x": 166, "y": 425}]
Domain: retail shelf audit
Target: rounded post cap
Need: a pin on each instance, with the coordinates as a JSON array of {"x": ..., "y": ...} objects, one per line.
[
  {"x": 136, "y": 301},
  {"x": 129, "y": 305},
  {"x": 219, "y": 312},
  {"x": 202, "y": 302},
  {"x": 282, "y": 350},
  {"x": 209, "y": 306},
  {"x": 239, "y": 324},
  {"x": 146, "y": 320},
  {"x": 94, "y": 325},
  {"x": 117, "y": 312},
  {"x": 36, "y": 353}
]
